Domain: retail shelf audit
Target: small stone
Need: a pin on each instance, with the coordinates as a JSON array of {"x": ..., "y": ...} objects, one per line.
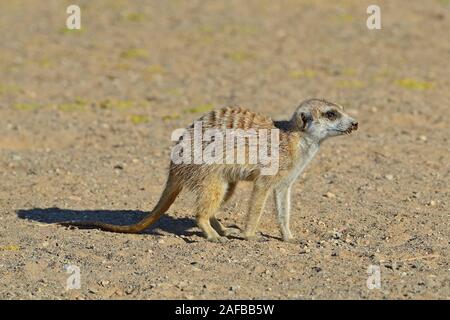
[
  {"x": 104, "y": 283},
  {"x": 74, "y": 198},
  {"x": 389, "y": 177},
  {"x": 129, "y": 290},
  {"x": 432, "y": 203},
  {"x": 234, "y": 287},
  {"x": 329, "y": 195},
  {"x": 423, "y": 138},
  {"x": 336, "y": 235}
]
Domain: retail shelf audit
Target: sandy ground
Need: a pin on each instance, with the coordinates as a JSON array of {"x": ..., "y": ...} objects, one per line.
[{"x": 85, "y": 124}]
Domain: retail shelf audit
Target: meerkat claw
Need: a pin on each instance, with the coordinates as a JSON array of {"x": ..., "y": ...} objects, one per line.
[{"x": 217, "y": 239}]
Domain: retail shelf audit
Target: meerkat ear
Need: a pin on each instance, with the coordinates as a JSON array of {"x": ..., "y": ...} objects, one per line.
[{"x": 302, "y": 118}]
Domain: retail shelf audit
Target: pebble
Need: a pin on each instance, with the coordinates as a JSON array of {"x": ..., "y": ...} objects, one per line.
[
  {"x": 432, "y": 203},
  {"x": 234, "y": 287},
  {"x": 389, "y": 177},
  {"x": 104, "y": 283},
  {"x": 337, "y": 235},
  {"x": 329, "y": 195},
  {"x": 74, "y": 198},
  {"x": 129, "y": 290},
  {"x": 423, "y": 138},
  {"x": 306, "y": 250}
]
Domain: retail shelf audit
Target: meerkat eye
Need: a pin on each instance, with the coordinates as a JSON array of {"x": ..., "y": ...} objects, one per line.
[{"x": 331, "y": 114}]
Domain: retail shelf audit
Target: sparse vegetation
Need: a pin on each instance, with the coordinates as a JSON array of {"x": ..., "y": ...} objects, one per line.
[
  {"x": 413, "y": 84},
  {"x": 134, "y": 53}
]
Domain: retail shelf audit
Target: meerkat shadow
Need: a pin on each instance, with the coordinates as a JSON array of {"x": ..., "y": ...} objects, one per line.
[{"x": 177, "y": 226}]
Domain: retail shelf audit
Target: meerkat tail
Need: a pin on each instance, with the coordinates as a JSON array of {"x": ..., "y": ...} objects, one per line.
[{"x": 167, "y": 198}]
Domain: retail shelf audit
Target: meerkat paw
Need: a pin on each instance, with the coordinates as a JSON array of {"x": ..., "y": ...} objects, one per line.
[
  {"x": 218, "y": 239},
  {"x": 289, "y": 238},
  {"x": 231, "y": 232},
  {"x": 255, "y": 238}
]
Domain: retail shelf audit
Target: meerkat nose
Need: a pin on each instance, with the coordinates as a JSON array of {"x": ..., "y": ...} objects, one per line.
[{"x": 355, "y": 125}]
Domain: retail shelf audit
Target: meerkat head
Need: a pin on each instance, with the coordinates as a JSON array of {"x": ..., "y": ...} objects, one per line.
[{"x": 322, "y": 119}]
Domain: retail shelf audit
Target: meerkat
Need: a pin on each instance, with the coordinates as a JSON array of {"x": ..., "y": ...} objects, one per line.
[{"x": 300, "y": 137}]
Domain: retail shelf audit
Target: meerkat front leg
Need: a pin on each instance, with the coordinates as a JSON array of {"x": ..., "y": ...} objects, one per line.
[
  {"x": 282, "y": 196},
  {"x": 257, "y": 203}
]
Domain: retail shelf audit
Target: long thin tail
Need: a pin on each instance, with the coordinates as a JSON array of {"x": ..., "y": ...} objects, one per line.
[{"x": 167, "y": 198}]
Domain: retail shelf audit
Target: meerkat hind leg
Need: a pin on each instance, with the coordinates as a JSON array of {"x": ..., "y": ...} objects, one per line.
[
  {"x": 219, "y": 227},
  {"x": 222, "y": 230},
  {"x": 208, "y": 202}
]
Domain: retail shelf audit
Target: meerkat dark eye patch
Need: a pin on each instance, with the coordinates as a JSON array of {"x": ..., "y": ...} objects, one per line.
[{"x": 331, "y": 115}]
